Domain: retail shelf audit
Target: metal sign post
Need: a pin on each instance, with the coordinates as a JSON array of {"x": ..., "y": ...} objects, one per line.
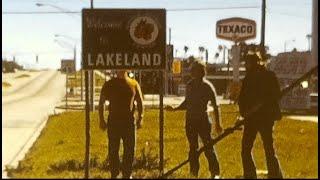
[
  {"x": 87, "y": 112},
  {"x": 124, "y": 39},
  {"x": 161, "y": 123}
]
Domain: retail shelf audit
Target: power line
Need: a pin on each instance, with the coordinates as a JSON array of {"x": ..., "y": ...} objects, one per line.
[
  {"x": 78, "y": 12},
  {"x": 41, "y": 12}
]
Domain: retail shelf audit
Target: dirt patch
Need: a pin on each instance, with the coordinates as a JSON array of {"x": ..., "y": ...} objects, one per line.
[
  {"x": 6, "y": 84},
  {"x": 22, "y": 76}
]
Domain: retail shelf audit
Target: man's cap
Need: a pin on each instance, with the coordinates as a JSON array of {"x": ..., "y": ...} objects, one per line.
[
  {"x": 198, "y": 68},
  {"x": 252, "y": 58}
]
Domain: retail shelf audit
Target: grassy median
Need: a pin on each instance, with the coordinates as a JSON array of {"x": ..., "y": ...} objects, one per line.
[{"x": 59, "y": 151}]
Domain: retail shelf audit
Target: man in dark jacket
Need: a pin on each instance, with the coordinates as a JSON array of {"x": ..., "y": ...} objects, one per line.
[
  {"x": 259, "y": 86},
  {"x": 199, "y": 92}
]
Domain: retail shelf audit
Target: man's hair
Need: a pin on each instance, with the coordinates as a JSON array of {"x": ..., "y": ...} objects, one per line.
[
  {"x": 198, "y": 69},
  {"x": 252, "y": 58}
]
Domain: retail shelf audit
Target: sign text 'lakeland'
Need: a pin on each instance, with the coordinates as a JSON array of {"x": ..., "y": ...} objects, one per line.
[{"x": 123, "y": 38}]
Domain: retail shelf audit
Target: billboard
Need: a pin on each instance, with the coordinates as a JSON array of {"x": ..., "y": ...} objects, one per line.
[
  {"x": 68, "y": 66},
  {"x": 123, "y": 38},
  {"x": 288, "y": 67}
]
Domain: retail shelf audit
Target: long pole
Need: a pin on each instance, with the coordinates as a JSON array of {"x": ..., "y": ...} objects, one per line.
[
  {"x": 161, "y": 123},
  {"x": 87, "y": 148}
]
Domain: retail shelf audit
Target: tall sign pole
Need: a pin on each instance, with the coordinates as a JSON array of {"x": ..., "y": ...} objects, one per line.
[
  {"x": 161, "y": 123},
  {"x": 87, "y": 148}
]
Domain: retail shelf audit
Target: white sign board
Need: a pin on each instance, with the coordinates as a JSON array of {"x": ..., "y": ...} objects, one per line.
[
  {"x": 288, "y": 67},
  {"x": 236, "y": 29}
]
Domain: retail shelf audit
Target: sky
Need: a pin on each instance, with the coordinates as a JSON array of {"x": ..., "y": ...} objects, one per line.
[{"x": 27, "y": 35}]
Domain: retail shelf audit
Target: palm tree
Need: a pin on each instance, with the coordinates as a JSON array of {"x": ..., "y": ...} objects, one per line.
[
  {"x": 185, "y": 48},
  {"x": 201, "y": 50}
]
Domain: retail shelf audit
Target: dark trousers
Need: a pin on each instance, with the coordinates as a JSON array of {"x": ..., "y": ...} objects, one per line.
[
  {"x": 116, "y": 132},
  {"x": 195, "y": 128},
  {"x": 249, "y": 135}
]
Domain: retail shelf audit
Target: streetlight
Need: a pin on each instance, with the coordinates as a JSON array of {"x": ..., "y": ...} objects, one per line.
[
  {"x": 285, "y": 43},
  {"x": 75, "y": 52},
  {"x": 74, "y": 47}
]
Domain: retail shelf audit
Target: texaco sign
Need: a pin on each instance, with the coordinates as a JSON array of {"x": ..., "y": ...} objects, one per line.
[
  {"x": 236, "y": 29},
  {"x": 123, "y": 38}
]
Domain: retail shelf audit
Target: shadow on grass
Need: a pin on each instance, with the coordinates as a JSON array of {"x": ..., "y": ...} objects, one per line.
[
  {"x": 146, "y": 165},
  {"x": 21, "y": 168}
]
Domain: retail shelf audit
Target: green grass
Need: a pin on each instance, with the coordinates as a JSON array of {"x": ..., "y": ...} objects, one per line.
[
  {"x": 22, "y": 76},
  {"x": 59, "y": 152}
]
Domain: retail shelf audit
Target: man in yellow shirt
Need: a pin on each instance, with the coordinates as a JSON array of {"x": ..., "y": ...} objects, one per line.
[{"x": 121, "y": 92}]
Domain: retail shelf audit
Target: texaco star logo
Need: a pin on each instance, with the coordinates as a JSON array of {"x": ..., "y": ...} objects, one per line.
[{"x": 143, "y": 30}]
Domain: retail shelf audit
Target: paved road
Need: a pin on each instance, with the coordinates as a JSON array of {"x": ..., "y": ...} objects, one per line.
[
  {"x": 25, "y": 112},
  {"x": 304, "y": 118},
  {"x": 18, "y": 83}
]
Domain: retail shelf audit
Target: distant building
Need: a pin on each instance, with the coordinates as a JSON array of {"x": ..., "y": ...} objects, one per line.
[
  {"x": 68, "y": 66},
  {"x": 10, "y": 66},
  {"x": 288, "y": 67}
]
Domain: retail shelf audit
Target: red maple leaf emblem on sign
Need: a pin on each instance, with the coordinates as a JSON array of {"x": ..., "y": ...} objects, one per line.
[{"x": 144, "y": 30}]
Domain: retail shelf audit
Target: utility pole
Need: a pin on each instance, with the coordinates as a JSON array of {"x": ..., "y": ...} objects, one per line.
[
  {"x": 314, "y": 46},
  {"x": 263, "y": 28},
  {"x": 169, "y": 36}
]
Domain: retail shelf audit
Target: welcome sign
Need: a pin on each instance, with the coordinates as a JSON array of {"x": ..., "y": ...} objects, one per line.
[{"x": 123, "y": 38}]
